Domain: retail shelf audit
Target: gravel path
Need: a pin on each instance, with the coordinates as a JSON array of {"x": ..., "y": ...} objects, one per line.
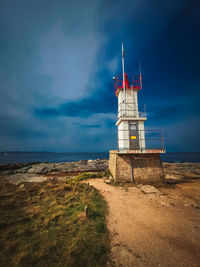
[{"x": 151, "y": 229}]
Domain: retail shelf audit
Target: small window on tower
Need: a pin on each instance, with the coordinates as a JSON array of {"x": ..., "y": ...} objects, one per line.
[{"x": 133, "y": 127}]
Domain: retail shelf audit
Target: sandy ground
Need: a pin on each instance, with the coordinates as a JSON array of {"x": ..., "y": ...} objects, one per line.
[{"x": 161, "y": 229}]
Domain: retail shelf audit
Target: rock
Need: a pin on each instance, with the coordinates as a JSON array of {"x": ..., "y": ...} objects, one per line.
[
  {"x": 21, "y": 186},
  {"x": 23, "y": 170},
  {"x": 149, "y": 189},
  {"x": 15, "y": 166},
  {"x": 107, "y": 181},
  {"x": 86, "y": 211},
  {"x": 42, "y": 171},
  {"x": 111, "y": 178},
  {"x": 179, "y": 171},
  {"x": 165, "y": 204},
  {"x": 37, "y": 168}
]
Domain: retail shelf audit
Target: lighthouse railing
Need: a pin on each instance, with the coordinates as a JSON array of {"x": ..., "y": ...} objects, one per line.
[
  {"x": 141, "y": 141},
  {"x": 132, "y": 110},
  {"x": 135, "y": 83}
]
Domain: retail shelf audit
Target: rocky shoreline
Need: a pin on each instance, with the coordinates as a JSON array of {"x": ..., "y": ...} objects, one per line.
[{"x": 38, "y": 172}]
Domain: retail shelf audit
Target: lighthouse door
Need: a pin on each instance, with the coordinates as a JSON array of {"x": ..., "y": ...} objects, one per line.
[{"x": 133, "y": 136}]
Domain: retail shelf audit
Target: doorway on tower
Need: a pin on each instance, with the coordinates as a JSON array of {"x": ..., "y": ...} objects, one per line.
[{"x": 133, "y": 136}]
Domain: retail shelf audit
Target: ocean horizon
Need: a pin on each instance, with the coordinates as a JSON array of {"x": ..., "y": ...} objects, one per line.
[{"x": 26, "y": 157}]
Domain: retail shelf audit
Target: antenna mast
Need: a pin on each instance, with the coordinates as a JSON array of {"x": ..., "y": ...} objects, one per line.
[
  {"x": 124, "y": 89},
  {"x": 140, "y": 76}
]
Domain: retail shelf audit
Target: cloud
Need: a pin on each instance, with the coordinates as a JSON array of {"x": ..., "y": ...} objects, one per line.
[
  {"x": 83, "y": 108},
  {"x": 57, "y": 63},
  {"x": 92, "y": 126},
  {"x": 68, "y": 59},
  {"x": 183, "y": 135}
]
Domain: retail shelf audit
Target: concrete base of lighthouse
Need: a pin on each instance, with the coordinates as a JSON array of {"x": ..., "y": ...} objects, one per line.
[{"x": 142, "y": 168}]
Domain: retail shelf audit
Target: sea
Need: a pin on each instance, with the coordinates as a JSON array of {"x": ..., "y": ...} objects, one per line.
[{"x": 26, "y": 157}]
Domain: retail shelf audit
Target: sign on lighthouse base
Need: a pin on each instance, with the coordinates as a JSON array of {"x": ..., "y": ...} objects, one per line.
[{"x": 145, "y": 168}]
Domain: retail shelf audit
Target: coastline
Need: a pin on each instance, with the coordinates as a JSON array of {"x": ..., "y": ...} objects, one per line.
[{"x": 42, "y": 171}]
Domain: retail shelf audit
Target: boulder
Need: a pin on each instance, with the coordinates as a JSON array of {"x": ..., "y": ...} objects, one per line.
[{"x": 149, "y": 189}]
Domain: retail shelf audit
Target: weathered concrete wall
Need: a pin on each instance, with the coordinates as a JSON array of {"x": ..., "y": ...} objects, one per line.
[
  {"x": 112, "y": 162},
  {"x": 146, "y": 168},
  {"x": 123, "y": 168}
]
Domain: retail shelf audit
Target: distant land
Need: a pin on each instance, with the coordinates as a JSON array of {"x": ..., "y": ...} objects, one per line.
[
  {"x": 12, "y": 157},
  {"x": 53, "y": 152},
  {"x": 90, "y": 152}
]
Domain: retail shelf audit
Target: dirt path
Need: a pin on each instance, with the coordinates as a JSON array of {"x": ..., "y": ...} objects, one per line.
[{"x": 151, "y": 229}]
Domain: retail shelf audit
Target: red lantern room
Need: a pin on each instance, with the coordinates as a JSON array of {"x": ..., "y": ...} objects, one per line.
[{"x": 135, "y": 84}]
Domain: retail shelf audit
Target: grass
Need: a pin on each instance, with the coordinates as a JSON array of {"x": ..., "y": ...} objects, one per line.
[
  {"x": 43, "y": 224},
  {"x": 88, "y": 175}
]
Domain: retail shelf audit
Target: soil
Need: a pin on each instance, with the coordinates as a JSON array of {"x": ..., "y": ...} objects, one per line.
[{"x": 154, "y": 229}]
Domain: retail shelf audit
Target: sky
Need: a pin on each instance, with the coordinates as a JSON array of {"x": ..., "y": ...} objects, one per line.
[{"x": 57, "y": 60}]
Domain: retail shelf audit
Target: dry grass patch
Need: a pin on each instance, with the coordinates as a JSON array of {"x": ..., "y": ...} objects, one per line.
[{"x": 43, "y": 225}]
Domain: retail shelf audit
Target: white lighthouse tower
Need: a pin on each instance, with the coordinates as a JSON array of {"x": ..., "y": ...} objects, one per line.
[
  {"x": 131, "y": 135},
  {"x": 137, "y": 158}
]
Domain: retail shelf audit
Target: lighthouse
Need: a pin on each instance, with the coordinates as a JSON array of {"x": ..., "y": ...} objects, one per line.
[
  {"x": 137, "y": 157},
  {"x": 130, "y": 123}
]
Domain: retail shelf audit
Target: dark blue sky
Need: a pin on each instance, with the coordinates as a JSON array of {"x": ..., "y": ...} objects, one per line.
[{"x": 57, "y": 59}]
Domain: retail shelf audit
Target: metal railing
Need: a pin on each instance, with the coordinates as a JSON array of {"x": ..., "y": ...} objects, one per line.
[
  {"x": 135, "y": 83},
  {"x": 140, "y": 140},
  {"x": 132, "y": 110}
]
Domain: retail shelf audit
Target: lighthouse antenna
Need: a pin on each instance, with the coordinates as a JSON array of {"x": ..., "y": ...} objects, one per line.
[
  {"x": 124, "y": 89},
  {"x": 140, "y": 75}
]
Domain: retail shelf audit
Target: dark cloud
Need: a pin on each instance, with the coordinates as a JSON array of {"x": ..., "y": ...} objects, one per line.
[
  {"x": 57, "y": 63},
  {"x": 92, "y": 126},
  {"x": 83, "y": 108}
]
